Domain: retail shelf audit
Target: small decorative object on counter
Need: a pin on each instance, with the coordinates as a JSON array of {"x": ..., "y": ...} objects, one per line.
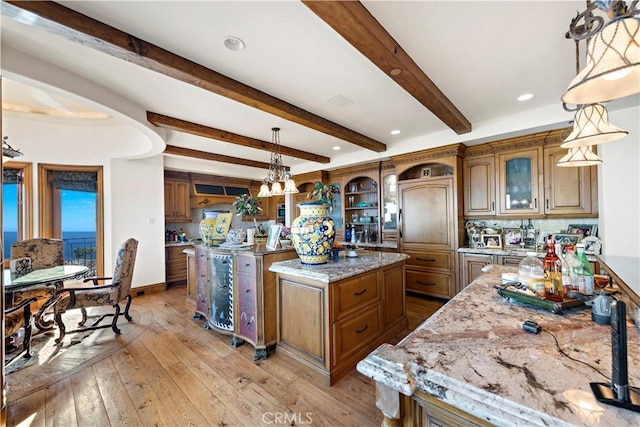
[
  {"x": 236, "y": 236},
  {"x": 531, "y": 274},
  {"x": 586, "y": 283}
]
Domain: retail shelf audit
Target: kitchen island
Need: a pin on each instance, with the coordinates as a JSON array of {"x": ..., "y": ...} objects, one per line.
[
  {"x": 471, "y": 363},
  {"x": 332, "y": 315}
]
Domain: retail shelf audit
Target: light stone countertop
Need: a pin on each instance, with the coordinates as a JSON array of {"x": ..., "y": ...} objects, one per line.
[
  {"x": 387, "y": 244},
  {"x": 345, "y": 267},
  {"x": 473, "y": 354}
]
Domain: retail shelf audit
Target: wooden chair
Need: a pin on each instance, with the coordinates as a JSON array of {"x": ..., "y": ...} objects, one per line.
[
  {"x": 18, "y": 317},
  {"x": 100, "y": 295}
]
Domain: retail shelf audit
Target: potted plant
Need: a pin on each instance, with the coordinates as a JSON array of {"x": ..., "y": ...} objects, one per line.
[
  {"x": 324, "y": 193},
  {"x": 247, "y": 205}
]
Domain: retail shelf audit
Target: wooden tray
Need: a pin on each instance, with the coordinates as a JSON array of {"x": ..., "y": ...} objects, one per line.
[{"x": 552, "y": 306}]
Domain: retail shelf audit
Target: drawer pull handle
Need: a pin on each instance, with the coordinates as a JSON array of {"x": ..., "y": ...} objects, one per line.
[
  {"x": 425, "y": 283},
  {"x": 426, "y": 259},
  {"x": 247, "y": 265},
  {"x": 248, "y": 290},
  {"x": 357, "y": 294},
  {"x": 359, "y": 331}
]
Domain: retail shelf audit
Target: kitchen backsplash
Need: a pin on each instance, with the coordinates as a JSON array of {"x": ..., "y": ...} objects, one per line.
[{"x": 192, "y": 229}]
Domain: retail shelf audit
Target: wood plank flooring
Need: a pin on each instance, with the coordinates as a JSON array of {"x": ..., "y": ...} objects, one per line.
[{"x": 165, "y": 369}]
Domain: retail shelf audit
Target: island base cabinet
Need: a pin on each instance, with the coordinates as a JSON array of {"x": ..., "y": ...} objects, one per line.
[{"x": 330, "y": 327}]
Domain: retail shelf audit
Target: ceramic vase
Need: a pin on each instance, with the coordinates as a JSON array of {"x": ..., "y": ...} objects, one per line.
[
  {"x": 207, "y": 228},
  {"x": 312, "y": 233}
]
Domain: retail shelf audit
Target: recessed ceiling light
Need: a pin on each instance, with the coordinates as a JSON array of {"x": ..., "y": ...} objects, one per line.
[
  {"x": 233, "y": 43},
  {"x": 336, "y": 147},
  {"x": 525, "y": 97},
  {"x": 395, "y": 132}
]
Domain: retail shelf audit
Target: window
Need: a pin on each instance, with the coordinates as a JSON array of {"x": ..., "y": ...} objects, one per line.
[{"x": 17, "y": 209}]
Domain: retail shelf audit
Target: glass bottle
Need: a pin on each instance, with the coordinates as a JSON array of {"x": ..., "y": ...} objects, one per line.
[
  {"x": 553, "y": 290},
  {"x": 587, "y": 274},
  {"x": 531, "y": 273},
  {"x": 575, "y": 268},
  {"x": 566, "y": 277}
]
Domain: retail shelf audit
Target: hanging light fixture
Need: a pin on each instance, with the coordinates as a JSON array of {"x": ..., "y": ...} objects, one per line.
[
  {"x": 613, "y": 58},
  {"x": 580, "y": 156},
  {"x": 591, "y": 127},
  {"x": 8, "y": 152},
  {"x": 277, "y": 172}
]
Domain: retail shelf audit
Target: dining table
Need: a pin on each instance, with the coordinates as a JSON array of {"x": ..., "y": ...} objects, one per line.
[{"x": 49, "y": 280}]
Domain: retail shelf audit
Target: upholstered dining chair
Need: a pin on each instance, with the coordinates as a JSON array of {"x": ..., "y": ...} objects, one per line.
[
  {"x": 100, "y": 295},
  {"x": 18, "y": 317}
]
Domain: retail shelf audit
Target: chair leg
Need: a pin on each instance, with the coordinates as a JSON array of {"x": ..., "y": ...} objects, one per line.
[
  {"x": 114, "y": 322},
  {"x": 126, "y": 308},
  {"x": 61, "y": 327},
  {"x": 84, "y": 317},
  {"x": 26, "y": 342}
]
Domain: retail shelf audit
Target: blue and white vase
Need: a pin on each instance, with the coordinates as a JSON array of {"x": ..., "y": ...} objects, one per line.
[{"x": 312, "y": 233}]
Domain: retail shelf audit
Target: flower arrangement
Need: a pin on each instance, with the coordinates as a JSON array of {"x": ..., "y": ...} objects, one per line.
[
  {"x": 324, "y": 193},
  {"x": 285, "y": 232},
  {"x": 247, "y": 205}
]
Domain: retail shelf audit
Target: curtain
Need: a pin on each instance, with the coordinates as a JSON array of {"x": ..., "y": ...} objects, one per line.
[{"x": 76, "y": 181}]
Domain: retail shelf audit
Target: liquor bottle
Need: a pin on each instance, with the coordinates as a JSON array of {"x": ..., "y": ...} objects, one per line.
[
  {"x": 586, "y": 279},
  {"x": 553, "y": 289},
  {"x": 566, "y": 277}
]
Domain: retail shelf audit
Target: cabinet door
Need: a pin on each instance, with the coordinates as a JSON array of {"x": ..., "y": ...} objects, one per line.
[
  {"x": 567, "y": 190},
  {"x": 361, "y": 208},
  {"x": 202, "y": 283},
  {"x": 472, "y": 265},
  {"x": 479, "y": 186},
  {"x": 246, "y": 317},
  {"x": 520, "y": 182},
  {"x": 169, "y": 211},
  {"x": 394, "y": 294},
  {"x": 427, "y": 218},
  {"x": 389, "y": 207},
  {"x": 221, "y": 292},
  {"x": 181, "y": 201}
]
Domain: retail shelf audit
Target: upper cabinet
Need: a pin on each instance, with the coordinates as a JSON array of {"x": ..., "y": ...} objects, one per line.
[
  {"x": 361, "y": 205},
  {"x": 569, "y": 190},
  {"x": 518, "y": 177},
  {"x": 479, "y": 185},
  {"x": 520, "y": 182},
  {"x": 177, "y": 206}
]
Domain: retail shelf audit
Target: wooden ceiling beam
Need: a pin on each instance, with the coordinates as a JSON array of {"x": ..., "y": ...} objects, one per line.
[
  {"x": 89, "y": 32},
  {"x": 222, "y": 135},
  {"x": 205, "y": 155},
  {"x": 353, "y": 21}
]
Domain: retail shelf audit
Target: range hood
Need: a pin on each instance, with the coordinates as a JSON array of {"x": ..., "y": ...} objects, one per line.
[{"x": 207, "y": 193}]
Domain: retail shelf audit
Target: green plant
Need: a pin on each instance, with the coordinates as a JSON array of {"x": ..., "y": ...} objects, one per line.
[
  {"x": 324, "y": 193},
  {"x": 247, "y": 205}
]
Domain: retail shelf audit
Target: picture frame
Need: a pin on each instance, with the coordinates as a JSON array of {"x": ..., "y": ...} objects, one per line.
[
  {"x": 492, "y": 241},
  {"x": 426, "y": 172},
  {"x": 567, "y": 239},
  {"x": 592, "y": 245},
  {"x": 585, "y": 230},
  {"x": 273, "y": 237},
  {"x": 512, "y": 237}
]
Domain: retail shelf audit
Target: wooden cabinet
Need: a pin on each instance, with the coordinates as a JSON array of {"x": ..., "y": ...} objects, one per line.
[
  {"x": 520, "y": 189},
  {"x": 361, "y": 206},
  {"x": 479, "y": 186},
  {"x": 175, "y": 264},
  {"x": 221, "y": 292},
  {"x": 177, "y": 207},
  {"x": 330, "y": 327},
  {"x": 471, "y": 266},
  {"x": 389, "y": 206},
  {"x": 568, "y": 190}
]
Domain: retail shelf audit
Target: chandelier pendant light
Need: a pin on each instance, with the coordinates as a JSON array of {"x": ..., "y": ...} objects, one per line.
[
  {"x": 8, "y": 152},
  {"x": 591, "y": 127},
  {"x": 613, "y": 62},
  {"x": 277, "y": 173},
  {"x": 580, "y": 156}
]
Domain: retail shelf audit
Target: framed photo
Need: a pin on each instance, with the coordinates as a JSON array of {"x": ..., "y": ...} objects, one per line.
[
  {"x": 567, "y": 239},
  {"x": 592, "y": 245},
  {"x": 273, "y": 236},
  {"x": 585, "y": 230},
  {"x": 425, "y": 172},
  {"x": 512, "y": 237},
  {"x": 492, "y": 241}
]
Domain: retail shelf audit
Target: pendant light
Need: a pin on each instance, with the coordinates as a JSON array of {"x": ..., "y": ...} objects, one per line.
[
  {"x": 8, "y": 152},
  {"x": 580, "y": 156},
  {"x": 591, "y": 126},
  {"x": 277, "y": 172}
]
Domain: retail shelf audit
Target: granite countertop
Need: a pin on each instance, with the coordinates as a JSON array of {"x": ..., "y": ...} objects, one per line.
[
  {"x": 512, "y": 252},
  {"x": 257, "y": 249},
  {"x": 473, "y": 354},
  {"x": 187, "y": 243},
  {"x": 343, "y": 268},
  {"x": 390, "y": 245}
]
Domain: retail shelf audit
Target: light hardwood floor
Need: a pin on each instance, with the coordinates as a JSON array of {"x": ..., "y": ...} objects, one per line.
[{"x": 165, "y": 369}]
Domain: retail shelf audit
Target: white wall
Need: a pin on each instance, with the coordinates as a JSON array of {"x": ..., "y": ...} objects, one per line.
[{"x": 619, "y": 187}]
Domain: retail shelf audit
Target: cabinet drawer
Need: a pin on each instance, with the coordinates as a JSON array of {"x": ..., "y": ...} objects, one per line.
[
  {"x": 176, "y": 252},
  {"x": 434, "y": 260},
  {"x": 355, "y": 292},
  {"x": 246, "y": 265},
  {"x": 247, "y": 308},
  {"x": 435, "y": 284},
  {"x": 356, "y": 331}
]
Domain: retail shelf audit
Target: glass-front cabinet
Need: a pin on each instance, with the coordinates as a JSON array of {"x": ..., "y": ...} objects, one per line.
[
  {"x": 520, "y": 182},
  {"x": 361, "y": 208},
  {"x": 389, "y": 207}
]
